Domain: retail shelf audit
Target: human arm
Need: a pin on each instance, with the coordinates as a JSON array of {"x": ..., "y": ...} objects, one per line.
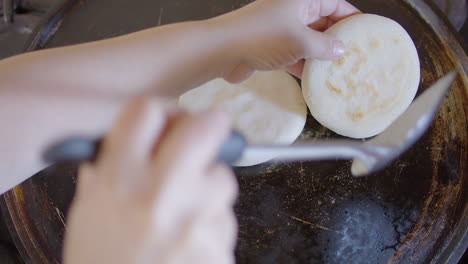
[
  {"x": 51, "y": 94},
  {"x": 169, "y": 60}
]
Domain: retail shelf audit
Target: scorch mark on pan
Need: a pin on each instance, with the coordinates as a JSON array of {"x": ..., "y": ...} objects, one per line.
[
  {"x": 314, "y": 225},
  {"x": 61, "y": 217}
]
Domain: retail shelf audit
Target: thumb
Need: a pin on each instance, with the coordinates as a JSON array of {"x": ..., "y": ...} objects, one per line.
[
  {"x": 319, "y": 45},
  {"x": 241, "y": 73}
]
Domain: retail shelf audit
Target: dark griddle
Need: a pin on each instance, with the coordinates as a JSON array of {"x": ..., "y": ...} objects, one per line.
[{"x": 415, "y": 211}]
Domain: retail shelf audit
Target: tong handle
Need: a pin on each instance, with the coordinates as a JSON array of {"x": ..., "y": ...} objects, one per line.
[{"x": 81, "y": 149}]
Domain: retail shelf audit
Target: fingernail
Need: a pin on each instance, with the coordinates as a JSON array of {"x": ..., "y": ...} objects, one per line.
[{"x": 339, "y": 48}]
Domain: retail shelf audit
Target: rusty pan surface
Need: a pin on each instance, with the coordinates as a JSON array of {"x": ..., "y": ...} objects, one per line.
[{"x": 415, "y": 211}]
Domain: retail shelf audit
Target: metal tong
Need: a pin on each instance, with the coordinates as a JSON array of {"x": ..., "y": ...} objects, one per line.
[{"x": 368, "y": 157}]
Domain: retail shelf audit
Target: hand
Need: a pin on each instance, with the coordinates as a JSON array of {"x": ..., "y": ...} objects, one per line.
[
  {"x": 155, "y": 195},
  {"x": 275, "y": 34}
]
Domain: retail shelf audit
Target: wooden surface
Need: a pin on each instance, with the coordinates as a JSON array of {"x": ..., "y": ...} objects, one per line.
[{"x": 308, "y": 212}]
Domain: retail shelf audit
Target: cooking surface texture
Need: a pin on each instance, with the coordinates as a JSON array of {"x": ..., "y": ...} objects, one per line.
[{"x": 305, "y": 212}]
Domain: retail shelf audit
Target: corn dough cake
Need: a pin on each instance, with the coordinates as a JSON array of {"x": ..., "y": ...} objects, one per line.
[
  {"x": 363, "y": 92},
  {"x": 268, "y": 108}
]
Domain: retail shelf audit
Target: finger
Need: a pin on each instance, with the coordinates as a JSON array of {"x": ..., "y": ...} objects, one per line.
[
  {"x": 318, "y": 45},
  {"x": 297, "y": 68},
  {"x": 337, "y": 9},
  {"x": 220, "y": 229},
  {"x": 241, "y": 73},
  {"x": 130, "y": 142},
  {"x": 225, "y": 224},
  {"x": 190, "y": 144},
  {"x": 207, "y": 238},
  {"x": 322, "y": 24},
  {"x": 194, "y": 139},
  {"x": 215, "y": 190},
  {"x": 220, "y": 188},
  {"x": 213, "y": 233},
  {"x": 85, "y": 180},
  {"x": 221, "y": 191}
]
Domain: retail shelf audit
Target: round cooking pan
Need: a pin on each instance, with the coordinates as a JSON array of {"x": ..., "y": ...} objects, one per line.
[{"x": 414, "y": 211}]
